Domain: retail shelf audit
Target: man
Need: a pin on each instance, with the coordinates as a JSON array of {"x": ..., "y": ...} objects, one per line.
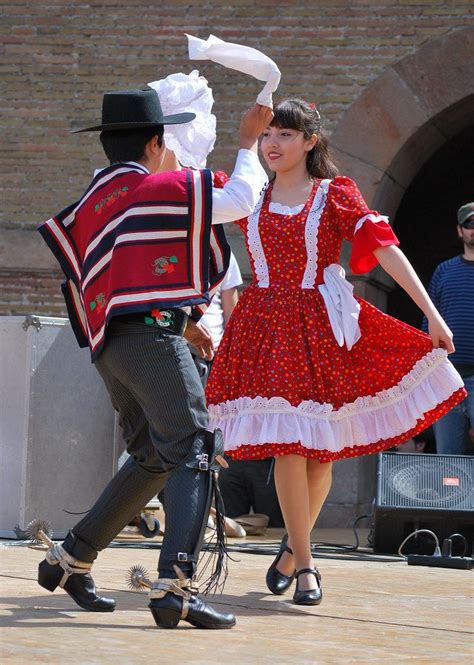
[
  {"x": 452, "y": 291},
  {"x": 135, "y": 250}
]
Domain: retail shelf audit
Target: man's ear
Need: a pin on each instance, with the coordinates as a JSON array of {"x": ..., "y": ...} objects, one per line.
[
  {"x": 459, "y": 231},
  {"x": 152, "y": 148}
]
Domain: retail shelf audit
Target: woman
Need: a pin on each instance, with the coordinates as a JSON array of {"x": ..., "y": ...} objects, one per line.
[{"x": 306, "y": 372}]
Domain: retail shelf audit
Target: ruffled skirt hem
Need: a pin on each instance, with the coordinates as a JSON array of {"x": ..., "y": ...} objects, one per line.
[{"x": 259, "y": 427}]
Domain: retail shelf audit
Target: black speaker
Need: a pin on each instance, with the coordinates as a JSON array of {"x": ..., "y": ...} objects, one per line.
[{"x": 420, "y": 491}]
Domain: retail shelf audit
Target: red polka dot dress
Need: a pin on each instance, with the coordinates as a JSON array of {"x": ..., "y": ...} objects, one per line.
[{"x": 305, "y": 367}]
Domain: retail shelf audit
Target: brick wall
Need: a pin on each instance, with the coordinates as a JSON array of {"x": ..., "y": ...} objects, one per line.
[
  {"x": 58, "y": 57},
  {"x": 22, "y": 292}
]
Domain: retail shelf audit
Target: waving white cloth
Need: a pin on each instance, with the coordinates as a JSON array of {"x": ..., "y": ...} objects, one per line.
[
  {"x": 193, "y": 141},
  {"x": 242, "y": 58},
  {"x": 342, "y": 308}
]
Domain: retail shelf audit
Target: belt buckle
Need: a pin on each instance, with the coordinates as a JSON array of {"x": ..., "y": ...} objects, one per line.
[{"x": 203, "y": 462}]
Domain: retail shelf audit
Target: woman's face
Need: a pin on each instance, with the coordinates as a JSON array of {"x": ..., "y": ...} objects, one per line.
[{"x": 285, "y": 149}]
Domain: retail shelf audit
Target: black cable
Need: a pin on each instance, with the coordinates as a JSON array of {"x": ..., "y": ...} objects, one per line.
[
  {"x": 347, "y": 548},
  {"x": 266, "y": 549},
  {"x": 464, "y": 541},
  {"x": 69, "y": 512},
  {"x": 319, "y": 550}
]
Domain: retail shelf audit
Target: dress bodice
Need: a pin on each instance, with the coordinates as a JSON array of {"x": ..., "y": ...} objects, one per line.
[
  {"x": 284, "y": 245},
  {"x": 292, "y": 249}
]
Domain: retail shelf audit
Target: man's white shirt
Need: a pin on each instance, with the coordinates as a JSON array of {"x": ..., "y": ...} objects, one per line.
[
  {"x": 240, "y": 194},
  {"x": 213, "y": 317}
]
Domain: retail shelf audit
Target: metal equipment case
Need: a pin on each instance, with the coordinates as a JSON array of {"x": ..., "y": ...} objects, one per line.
[{"x": 57, "y": 444}]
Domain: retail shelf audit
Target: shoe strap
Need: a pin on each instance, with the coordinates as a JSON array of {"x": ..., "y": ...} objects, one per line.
[
  {"x": 181, "y": 586},
  {"x": 185, "y": 608},
  {"x": 71, "y": 566},
  {"x": 311, "y": 571},
  {"x": 165, "y": 585},
  {"x": 284, "y": 546}
]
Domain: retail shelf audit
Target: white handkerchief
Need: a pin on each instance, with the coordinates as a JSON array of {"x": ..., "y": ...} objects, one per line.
[{"x": 242, "y": 58}]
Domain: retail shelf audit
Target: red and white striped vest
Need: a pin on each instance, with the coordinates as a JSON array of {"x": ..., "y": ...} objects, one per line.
[{"x": 137, "y": 241}]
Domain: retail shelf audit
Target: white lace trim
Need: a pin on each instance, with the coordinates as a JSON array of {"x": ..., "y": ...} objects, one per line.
[
  {"x": 389, "y": 413},
  {"x": 371, "y": 218},
  {"x": 311, "y": 235},
  {"x": 256, "y": 247},
  {"x": 279, "y": 209}
]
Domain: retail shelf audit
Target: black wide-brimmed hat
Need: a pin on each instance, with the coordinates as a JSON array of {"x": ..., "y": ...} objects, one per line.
[{"x": 132, "y": 109}]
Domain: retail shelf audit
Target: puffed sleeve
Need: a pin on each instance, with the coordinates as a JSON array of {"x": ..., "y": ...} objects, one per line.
[
  {"x": 365, "y": 228},
  {"x": 220, "y": 179}
]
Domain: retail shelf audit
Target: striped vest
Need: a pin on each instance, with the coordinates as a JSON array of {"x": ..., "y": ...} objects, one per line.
[{"x": 137, "y": 241}]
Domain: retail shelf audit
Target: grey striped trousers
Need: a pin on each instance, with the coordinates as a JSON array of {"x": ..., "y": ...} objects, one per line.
[{"x": 155, "y": 387}]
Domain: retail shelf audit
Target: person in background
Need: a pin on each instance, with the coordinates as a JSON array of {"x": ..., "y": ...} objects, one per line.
[
  {"x": 247, "y": 485},
  {"x": 452, "y": 290},
  {"x": 413, "y": 445},
  {"x": 218, "y": 313}
]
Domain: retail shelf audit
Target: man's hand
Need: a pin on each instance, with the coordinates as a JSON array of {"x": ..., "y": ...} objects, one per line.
[
  {"x": 253, "y": 123},
  {"x": 199, "y": 336}
]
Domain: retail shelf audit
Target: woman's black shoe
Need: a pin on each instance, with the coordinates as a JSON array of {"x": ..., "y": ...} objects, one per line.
[
  {"x": 80, "y": 586},
  {"x": 276, "y": 581},
  {"x": 167, "y": 612},
  {"x": 310, "y": 597}
]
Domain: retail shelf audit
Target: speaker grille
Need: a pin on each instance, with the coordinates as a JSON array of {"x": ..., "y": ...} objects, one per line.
[{"x": 426, "y": 481}]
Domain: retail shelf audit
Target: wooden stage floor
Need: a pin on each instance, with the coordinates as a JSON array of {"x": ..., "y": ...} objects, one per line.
[{"x": 372, "y": 612}]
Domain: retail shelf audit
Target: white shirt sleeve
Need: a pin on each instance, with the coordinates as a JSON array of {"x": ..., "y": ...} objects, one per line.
[
  {"x": 232, "y": 277},
  {"x": 239, "y": 196}
]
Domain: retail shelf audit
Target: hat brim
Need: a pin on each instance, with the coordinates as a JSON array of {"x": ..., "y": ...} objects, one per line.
[
  {"x": 176, "y": 119},
  {"x": 465, "y": 218}
]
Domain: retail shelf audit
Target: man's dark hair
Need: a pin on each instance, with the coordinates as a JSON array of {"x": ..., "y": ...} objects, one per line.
[{"x": 128, "y": 145}]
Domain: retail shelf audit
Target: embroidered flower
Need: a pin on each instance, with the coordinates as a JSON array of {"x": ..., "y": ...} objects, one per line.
[
  {"x": 99, "y": 302},
  {"x": 164, "y": 318},
  {"x": 110, "y": 199},
  {"x": 164, "y": 265}
]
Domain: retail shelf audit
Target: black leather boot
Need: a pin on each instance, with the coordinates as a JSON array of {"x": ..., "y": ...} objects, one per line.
[
  {"x": 276, "y": 581},
  {"x": 170, "y": 603},
  {"x": 61, "y": 569},
  {"x": 188, "y": 497}
]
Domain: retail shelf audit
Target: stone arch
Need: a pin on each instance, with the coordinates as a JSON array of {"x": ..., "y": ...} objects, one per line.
[
  {"x": 405, "y": 115},
  {"x": 399, "y": 121}
]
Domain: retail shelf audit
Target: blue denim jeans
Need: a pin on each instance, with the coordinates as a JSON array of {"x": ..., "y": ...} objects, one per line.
[{"x": 451, "y": 431}]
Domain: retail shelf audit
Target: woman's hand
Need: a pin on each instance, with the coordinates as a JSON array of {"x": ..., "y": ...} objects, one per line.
[
  {"x": 440, "y": 334},
  {"x": 398, "y": 266}
]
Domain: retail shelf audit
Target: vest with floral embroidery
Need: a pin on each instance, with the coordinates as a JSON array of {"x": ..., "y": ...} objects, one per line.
[{"x": 137, "y": 241}]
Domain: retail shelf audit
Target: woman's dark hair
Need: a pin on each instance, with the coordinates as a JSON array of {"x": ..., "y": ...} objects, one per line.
[
  {"x": 128, "y": 145},
  {"x": 298, "y": 114}
]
